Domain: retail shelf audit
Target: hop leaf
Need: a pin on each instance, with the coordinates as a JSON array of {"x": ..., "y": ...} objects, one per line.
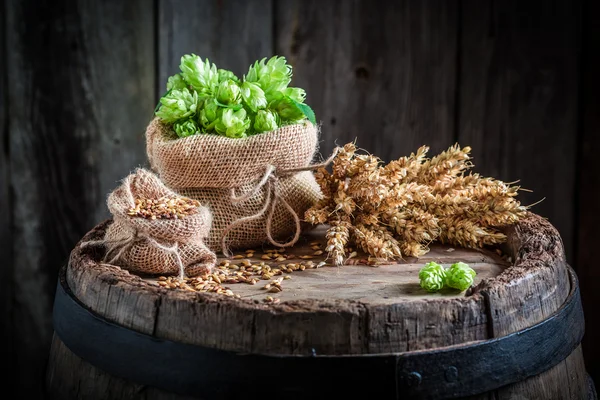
[
  {"x": 253, "y": 96},
  {"x": 265, "y": 121},
  {"x": 202, "y": 76},
  {"x": 225, "y": 75},
  {"x": 176, "y": 82},
  {"x": 307, "y": 111},
  {"x": 432, "y": 277},
  {"x": 185, "y": 128},
  {"x": 272, "y": 76},
  {"x": 233, "y": 123},
  {"x": 460, "y": 276},
  {"x": 177, "y": 104},
  {"x": 228, "y": 92}
]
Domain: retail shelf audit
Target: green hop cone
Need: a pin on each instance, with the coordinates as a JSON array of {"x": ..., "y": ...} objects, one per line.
[
  {"x": 228, "y": 92},
  {"x": 296, "y": 94},
  {"x": 233, "y": 123},
  {"x": 460, "y": 276},
  {"x": 209, "y": 114},
  {"x": 176, "y": 82},
  {"x": 272, "y": 76},
  {"x": 287, "y": 109},
  {"x": 185, "y": 128},
  {"x": 432, "y": 277},
  {"x": 225, "y": 75},
  {"x": 253, "y": 96},
  {"x": 202, "y": 76},
  {"x": 177, "y": 104},
  {"x": 265, "y": 121}
]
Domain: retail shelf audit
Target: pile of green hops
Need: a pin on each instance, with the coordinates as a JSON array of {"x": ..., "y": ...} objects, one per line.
[
  {"x": 202, "y": 99},
  {"x": 434, "y": 277}
]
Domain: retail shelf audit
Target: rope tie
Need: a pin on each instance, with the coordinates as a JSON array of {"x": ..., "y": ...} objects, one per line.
[
  {"x": 270, "y": 182},
  {"x": 119, "y": 247}
]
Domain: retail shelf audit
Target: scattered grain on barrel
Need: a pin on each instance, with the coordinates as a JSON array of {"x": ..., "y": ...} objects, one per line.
[
  {"x": 271, "y": 266},
  {"x": 229, "y": 272},
  {"x": 271, "y": 300}
]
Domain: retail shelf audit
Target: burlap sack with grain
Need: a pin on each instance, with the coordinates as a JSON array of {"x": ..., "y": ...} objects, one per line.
[
  {"x": 159, "y": 246},
  {"x": 257, "y": 188}
]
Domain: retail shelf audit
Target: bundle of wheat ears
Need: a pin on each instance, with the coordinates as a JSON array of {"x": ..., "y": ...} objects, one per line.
[{"x": 398, "y": 209}]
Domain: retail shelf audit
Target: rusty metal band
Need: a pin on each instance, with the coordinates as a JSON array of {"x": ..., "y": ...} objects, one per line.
[{"x": 209, "y": 373}]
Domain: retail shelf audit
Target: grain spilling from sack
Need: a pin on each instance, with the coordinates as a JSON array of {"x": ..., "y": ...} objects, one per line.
[{"x": 156, "y": 231}]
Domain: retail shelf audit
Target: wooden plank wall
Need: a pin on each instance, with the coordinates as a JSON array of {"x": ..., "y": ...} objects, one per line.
[
  {"x": 232, "y": 33},
  {"x": 7, "y": 352},
  {"x": 372, "y": 73},
  {"x": 81, "y": 87},
  {"x": 515, "y": 80},
  {"x": 519, "y": 97},
  {"x": 587, "y": 217}
]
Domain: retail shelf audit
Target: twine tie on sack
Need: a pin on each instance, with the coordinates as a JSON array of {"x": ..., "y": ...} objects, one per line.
[
  {"x": 270, "y": 181},
  {"x": 121, "y": 246}
]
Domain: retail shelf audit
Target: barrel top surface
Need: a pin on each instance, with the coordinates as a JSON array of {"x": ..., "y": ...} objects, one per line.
[
  {"x": 382, "y": 284},
  {"x": 353, "y": 309},
  {"x": 376, "y": 284}
]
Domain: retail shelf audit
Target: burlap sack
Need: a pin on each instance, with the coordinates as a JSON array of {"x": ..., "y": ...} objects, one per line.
[
  {"x": 160, "y": 246},
  {"x": 300, "y": 191},
  {"x": 213, "y": 161},
  {"x": 257, "y": 188}
]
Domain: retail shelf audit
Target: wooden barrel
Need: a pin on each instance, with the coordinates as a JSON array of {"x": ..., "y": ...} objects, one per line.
[{"x": 345, "y": 332}]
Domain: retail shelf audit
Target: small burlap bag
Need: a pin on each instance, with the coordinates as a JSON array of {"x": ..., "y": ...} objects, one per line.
[
  {"x": 257, "y": 188},
  {"x": 155, "y": 246}
]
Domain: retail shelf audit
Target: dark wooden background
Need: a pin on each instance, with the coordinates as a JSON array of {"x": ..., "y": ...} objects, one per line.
[{"x": 514, "y": 79}]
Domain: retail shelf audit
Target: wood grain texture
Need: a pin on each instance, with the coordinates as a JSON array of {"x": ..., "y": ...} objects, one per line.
[
  {"x": 80, "y": 93},
  {"x": 68, "y": 385},
  {"x": 550, "y": 384},
  {"x": 384, "y": 284},
  {"x": 518, "y": 99},
  {"x": 530, "y": 299},
  {"x": 588, "y": 217},
  {"x": 7, "y": 352},
  {"x": 178, "y": 315},
  {"x": 520, "y": 296},
  {"x": 230, "y": 33},
  {"x": 384, "y": 75}
]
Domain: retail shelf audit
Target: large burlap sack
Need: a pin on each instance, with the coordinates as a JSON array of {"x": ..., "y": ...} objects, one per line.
[
  {"x": 257, "y": 188},
  {"x": 155, "y": 246},
  {"x": 299, "y": 191},
  {"x": 213, "y": 161}
]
